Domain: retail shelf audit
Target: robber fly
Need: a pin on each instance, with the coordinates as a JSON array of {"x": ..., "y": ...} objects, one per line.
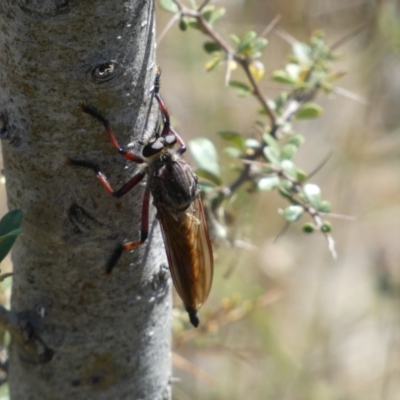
[{"x": 176, "y": 196}]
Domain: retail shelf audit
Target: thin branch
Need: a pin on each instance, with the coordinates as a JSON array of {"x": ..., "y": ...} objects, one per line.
[
  {"x": 285, "y": 36},
  {"x": 167, "y": 27},
  {"x": 271, "y": 26},
  {"x": 320, "y": 165},
  {"x": 350, "y": 35}
]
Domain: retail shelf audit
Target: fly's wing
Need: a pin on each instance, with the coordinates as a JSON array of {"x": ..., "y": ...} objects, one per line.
[{"x": 189, "y": 252}]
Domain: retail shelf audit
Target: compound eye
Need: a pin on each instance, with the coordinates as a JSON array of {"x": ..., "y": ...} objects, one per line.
[
  {"x": 153, "y": 149},
  {"x": 169, "y": 140}
]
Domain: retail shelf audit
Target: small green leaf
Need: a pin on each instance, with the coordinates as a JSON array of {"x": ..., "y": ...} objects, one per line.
[
  {"x": 210, "y": 178},
  {"x": 289, "y": 167},
  {"x": 213, "y": 63},
  {"x": 271, "y": 142},
  {"x": 252, "y": 143},
  {"x": 233, "y": 152},
  {"x": 193, "y": 23},
  {"x": 245, "y": 45},
  {"x": 309, "y": 110},
  {"x": 10, "y": 228},
  {"x": 235, "y": 39},
  {"x": 288, "y": 151},
  {"x": 281, "y": 100},
  {"x": 272, "y": 156},
  {"x": 285, "y": 187},
  {"x": 183, "y": 24},
  {"x": 302, "y": 52},
  {"x": 301, "y": 176},
  {"x": 293, "y": 213},
  {"x": 259, "y": 44},
  {"x": 281, "y": 76},
  {"x": 169, "y": 6},
  {"x": 308, "y": 227},
  {"x": 293, "y": 71},
  {"x": 247, "y": 39},
  {"x": 313, "y": 194},
  {"x": 211, "y": 47},
  {"x": 296, "y": 140},
  {"x": 205, "y": 155},
  {"x": 242, "y": 89},
  {"x": 326, "y": 227},
  {"x": 325, "y": 206},
  {"x": 234, "y": 138},
  {"x": 268, "y": 183},
  {"x": 212, "y": 14}
]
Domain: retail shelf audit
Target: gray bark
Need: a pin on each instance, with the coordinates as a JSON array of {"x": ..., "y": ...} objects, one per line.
[{"x": 96, "y": 337}]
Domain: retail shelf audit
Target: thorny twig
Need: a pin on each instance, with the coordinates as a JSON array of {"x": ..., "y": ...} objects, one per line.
[{"x": 296, "y": 100}]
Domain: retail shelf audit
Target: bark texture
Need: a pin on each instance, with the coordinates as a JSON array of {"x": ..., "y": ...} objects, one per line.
[{"x": 102, "y": 338}]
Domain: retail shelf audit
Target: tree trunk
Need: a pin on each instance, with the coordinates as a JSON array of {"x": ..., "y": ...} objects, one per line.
[{"x": 85, "y": 335}]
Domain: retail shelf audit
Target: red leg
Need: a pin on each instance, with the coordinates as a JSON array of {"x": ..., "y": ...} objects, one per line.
[
  {"x": 144, "y": 231},
  {"x": 96, "y": 114},
  {"x": 104, "y": 181}
]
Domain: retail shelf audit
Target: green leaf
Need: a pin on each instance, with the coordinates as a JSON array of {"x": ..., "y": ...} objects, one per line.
[
  {"x": 281, "y": 100},
  {"x": 15, "y": 232},
  {"x": 259, "y": 44},
  {"x": 288, "y": 151},
  {"x": 293, "y": 213},
  {"x": 210, "y": 178},
  {"x": 308, "y": 227},
  {"x": 205, "y": 155},
  {"x": 234, "y": 138},
  {"x": 293, "y": 71},
  {"x": 212, "y": 14},
  {"x": 235, "y": 39},
  {"x": 211, "y": 47},
  {"x": 289, "y": 167},
  {"x": 244, "y": 46},
  {"x": 325, "y": 206},
  {"x": 193, "y": 23},
  {"x": 268, "y": 183},
  {"x": 252, "y": 143},
  {"x": 285, "y": 187},
  {"x": 10, "y": 228},
  {"x": 242, "y": 89},
  {"x": 169, "y": 6},
  {"x": 183, "y": 24},
  {"x": 272, "y": 142},
  {"x": 309, "y": 110},
  {"x": 281, "y": 76},
  {"x": 271, "y": 155},
  {"x": 296, "y": 140},
  {"x": 326, "y": 227},
  {"x": 213, "y": 63},
  {"x": 313, "y": 194},
  {"x": 302, "y": 52},
  {"x": 233, "y": 152},
  {"x": 301, "y": 176}
]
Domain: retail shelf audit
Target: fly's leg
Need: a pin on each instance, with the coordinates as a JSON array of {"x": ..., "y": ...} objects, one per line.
[
  {"x": 92, "y": 111},
  {"x": 144, "y": 231},
  {"x": 167, "y": 124},
  {"x": 103, "y": 179}
]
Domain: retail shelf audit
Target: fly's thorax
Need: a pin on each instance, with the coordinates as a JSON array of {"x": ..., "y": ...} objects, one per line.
[{"x": 172, "y": 182}]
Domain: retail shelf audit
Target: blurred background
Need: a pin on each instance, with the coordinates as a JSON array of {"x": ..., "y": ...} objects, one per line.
[{"x": 290, "y": 322}]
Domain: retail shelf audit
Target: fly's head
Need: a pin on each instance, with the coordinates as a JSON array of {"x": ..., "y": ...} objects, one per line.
[{"x": 158, "y": 147}]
